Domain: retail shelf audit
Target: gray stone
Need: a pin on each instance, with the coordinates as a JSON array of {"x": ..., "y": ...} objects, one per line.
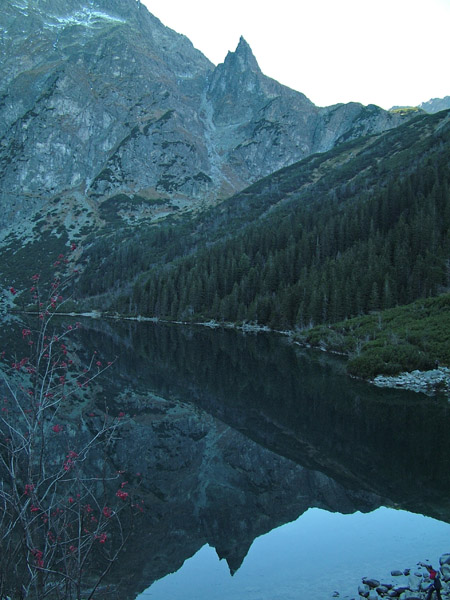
[
  {"x": 414, "y": 582},
  {"x": 427, "y": 382},
  {"x": 400, "y": 589},
  {"x": 444, "y": 559},
  {"x": 445, "y": 570},
  {"x": 383, "y": 589},
  {"x": 373, "y": 583},
  {"x": 363, "y": 590}
]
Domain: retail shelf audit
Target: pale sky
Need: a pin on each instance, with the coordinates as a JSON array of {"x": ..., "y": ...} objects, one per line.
[{"x": 384, "y": 52}]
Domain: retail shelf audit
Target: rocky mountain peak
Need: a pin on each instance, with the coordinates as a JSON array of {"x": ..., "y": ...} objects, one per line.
[
  {"x": 110, "y": 101},
  {"x": 235, "y": 85},
  {"x": 243, "y": 58}
]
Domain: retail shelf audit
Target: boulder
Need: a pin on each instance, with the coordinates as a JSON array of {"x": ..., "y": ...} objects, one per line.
[
  {"x": 383, "y": 589},
  {"x": 372, "y": 583},
  {"x": 445, "y": 570},
  {"x": 414, "y": 582},
  {"x": 444, "y": 560},
  {"x": 400, "y": 589},
  {"x": 363, "y": 590}
]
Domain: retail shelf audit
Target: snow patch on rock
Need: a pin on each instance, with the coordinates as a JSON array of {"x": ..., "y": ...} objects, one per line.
[{"x": 84, "y": 17}]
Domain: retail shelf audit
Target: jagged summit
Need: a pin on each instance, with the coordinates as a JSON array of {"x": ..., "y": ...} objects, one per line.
[
  {"x": 238, "y": 66},
  {"x": 243, "y": 57},
  {"x": 110, "y": 101}
]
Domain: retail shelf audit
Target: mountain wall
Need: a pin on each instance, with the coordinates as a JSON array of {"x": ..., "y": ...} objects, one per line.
[{"x": 99, "y": 98}]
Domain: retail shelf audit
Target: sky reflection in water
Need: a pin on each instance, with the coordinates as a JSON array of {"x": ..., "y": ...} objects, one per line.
[{"x": 311, "y": 558}]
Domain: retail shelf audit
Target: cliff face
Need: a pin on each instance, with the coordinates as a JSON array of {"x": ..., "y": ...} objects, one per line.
[
  {"x": 259, "y": 126},
  {"x": 96, "y": 96},
  {"x": 99, "y": 98}
]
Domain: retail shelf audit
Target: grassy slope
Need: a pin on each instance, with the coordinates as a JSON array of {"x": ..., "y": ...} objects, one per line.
[{"x": 415, "y": 336}]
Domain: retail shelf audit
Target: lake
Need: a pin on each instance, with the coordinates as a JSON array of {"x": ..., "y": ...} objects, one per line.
[{"x": 266, "y": 472}]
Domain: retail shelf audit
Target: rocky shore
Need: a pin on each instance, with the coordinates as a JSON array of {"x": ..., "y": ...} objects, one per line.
[
  {"x": 428, "y": 382},
  {"x": 409, "y": 584}
]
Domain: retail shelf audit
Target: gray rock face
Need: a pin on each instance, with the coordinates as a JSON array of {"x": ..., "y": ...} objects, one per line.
[
  {"x": 98, "y": 98},
  {"x": 258, "y": 125},
  {"x": 436, "y": 104}
]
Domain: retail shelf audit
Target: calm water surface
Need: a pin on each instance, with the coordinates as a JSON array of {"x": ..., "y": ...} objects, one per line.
[
  {"x": 266, "y": 472},
  {"x": 317, "y": 555}
]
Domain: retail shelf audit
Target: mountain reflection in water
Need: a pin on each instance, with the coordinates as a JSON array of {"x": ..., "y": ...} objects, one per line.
[
  {"x": 234, "y": 435},
  {"x": 312, "y": 558}
]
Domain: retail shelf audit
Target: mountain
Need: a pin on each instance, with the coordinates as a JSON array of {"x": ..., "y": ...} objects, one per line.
[
  {"x": 99, "y": 99},
  {"x": 120, "y": 138},
  {"x": 95, "y": 96},
  {"x": 436, "y": 104},
  {"x": 362, "y": 227},
  {"x": 431, "y": 106}
]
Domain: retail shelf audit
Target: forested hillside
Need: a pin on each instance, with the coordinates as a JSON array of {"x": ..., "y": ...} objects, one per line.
[{"x": 363, "y": 227}]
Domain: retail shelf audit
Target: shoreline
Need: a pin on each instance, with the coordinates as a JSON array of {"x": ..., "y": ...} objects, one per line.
[
  {"x": 431, "y": 383},
  {"x": 409, "y": 584}
]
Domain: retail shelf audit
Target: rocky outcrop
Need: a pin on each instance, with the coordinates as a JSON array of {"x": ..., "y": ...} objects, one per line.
[{"x": 98, "y": 98}]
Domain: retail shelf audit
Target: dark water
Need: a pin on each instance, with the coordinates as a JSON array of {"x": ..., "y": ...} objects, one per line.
[{"x": 236, "y": 436}]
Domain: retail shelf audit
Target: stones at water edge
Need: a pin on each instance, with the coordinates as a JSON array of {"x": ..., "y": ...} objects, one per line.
[
  {"x": 444, "y": 561},
  {"x": 363, "y": 590},
  {"x": 427, "y": 382},
  {"x": 407, "y": 585}
]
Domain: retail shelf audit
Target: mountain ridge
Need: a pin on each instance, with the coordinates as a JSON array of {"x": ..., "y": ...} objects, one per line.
[
  {"x": 359, "y": 228},
  {"x": 111, "y": 101}
]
